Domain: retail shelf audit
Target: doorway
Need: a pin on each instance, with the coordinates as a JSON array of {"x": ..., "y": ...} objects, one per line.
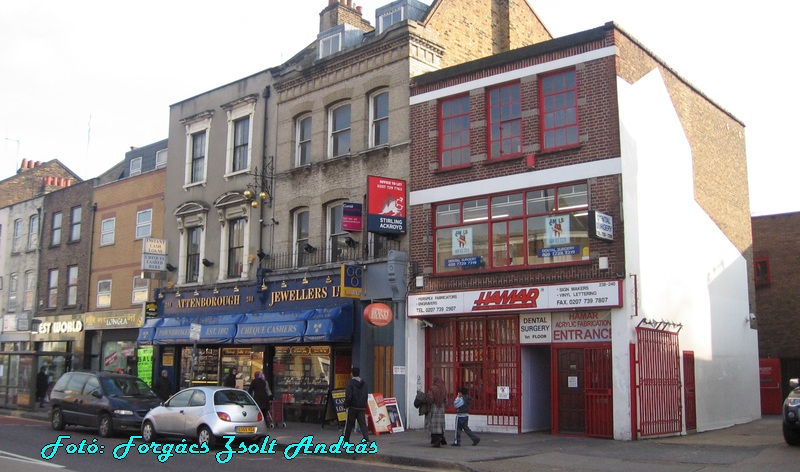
[{"x": 583, "y": 391}]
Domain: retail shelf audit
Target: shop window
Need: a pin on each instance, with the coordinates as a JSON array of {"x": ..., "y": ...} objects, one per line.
[
  {"x": 762, "y": 273},
  {"x": 533, "y": 228},
  {"x": 120, "y": 356},
  {"x": 479, "y": 354},
  {"x": 302, "y": 377}
]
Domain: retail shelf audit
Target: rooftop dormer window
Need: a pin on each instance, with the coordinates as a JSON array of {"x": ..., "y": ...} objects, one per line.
[
  {"x": 389, "y": 18},
  {"x": 330, "y": 45}
]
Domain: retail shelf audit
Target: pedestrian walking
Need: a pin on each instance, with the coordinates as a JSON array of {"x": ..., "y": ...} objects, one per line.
[
  {"x": 230, "y": 379},
  {"x": 260, "y": 391},
  {"x": 163, "y": 387},
  {"x": 41, "y": 386},
  {"x": 462, "y": 403},
  {"x": 355, "y": 400},
  {"x": 436, "y": 399}
]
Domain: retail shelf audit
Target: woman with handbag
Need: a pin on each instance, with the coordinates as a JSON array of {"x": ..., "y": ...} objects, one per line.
[{"x": 436, "y": 399}]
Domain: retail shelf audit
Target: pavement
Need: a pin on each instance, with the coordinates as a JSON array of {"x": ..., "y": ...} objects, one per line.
[{"x": 757, "y": 445}]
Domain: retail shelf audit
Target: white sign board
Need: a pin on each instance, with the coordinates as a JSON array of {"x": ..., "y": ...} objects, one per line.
[
  {"x": 194, "y": 331},
  {"x": 154, "y": 262},
  {"x": 154, "y": 246},
  {"x": 581, "y": 296},
  {"x": 581, "y": 326},
  {"x": 399, "y": 370},
  {"x": 503, "y": 392},
  {"x": 534, "y": 328}
]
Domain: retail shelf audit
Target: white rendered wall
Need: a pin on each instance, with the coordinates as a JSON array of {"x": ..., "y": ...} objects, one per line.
[{"x": 688, "y": 272}]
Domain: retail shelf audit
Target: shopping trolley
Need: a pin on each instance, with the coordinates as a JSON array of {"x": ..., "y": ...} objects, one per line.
[{"x": 275, "y": 414}]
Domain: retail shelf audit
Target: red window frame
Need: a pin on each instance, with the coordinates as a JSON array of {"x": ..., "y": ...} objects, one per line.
[
  {"x": 504, "y": 109},
  {"x": 558, "y": 103},
  {"x": 506, "y": 245},
  {"x": 454, "y": 140},
  {"x": 761, "y": 271}
]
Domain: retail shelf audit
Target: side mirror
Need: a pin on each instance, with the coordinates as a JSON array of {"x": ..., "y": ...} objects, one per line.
[{"x": 97, "y": 394}]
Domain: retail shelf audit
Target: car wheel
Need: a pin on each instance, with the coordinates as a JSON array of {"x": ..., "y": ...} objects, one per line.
[
  {"x": 791, "y": 435},
  {"x": 105, "y": 427},
  {"x": 57, "y": 419},
  {"x": 149, "y": 432},
  {"x": 205, "y": 436}
]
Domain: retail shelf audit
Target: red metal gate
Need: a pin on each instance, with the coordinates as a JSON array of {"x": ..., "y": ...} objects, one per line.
[
  {"x": 689, "y": 391},
  {"x": 481, "y": 354},
  {"x": 599, "y": 382},
  {"x": 659, "y": 383}
]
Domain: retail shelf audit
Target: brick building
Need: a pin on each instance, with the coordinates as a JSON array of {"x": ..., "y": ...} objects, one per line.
[
  {"x": 581, "y": 242},
  {"x": 264, "y": 170},
  {"x": 126, "y": 211},
  {"x": 777, "y": 269}
]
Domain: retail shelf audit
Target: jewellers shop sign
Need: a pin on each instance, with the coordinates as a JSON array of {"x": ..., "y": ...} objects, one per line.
[{"x": 582, "y": 296}]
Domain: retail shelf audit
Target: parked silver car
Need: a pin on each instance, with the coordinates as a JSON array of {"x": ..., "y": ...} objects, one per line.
[{"x": 206, "y": 414}]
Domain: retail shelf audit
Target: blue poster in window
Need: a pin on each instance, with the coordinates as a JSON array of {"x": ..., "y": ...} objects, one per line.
[
  {"x": 462, "y": 241},
  {"x": 559, "y": 251},
  {"x": 463, "y": 262},
  {"x": 557, "y": 230}
]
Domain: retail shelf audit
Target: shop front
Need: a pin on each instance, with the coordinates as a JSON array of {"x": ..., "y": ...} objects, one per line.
[
  {"x": 533, "y": 358},
  {"x": 299, "y": 334},
  {"x": 57, "y": 345},
  {"x": 111, "y": 340}
]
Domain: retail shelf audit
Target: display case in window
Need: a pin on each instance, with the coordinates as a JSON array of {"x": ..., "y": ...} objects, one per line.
[
  {"x": 302, "y": 378},
  {"x": 206, "y": 367}
]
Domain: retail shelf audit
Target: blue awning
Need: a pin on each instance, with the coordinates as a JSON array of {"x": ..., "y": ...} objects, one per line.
[
  {"x": 148, "y": 330},
  {"x": 215, "y": 329},
  {"x": 332, "y": 324}
]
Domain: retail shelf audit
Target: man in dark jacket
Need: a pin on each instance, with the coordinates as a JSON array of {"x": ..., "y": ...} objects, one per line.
[
  {"x": 42, "y": 382},
  {"x": 230, "y": 379},
  {"x": 355, "y": 400},
  {"x": 163, "y": 387}
]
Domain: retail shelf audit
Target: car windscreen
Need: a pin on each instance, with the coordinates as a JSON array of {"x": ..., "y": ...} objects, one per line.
[
  {"x": 232, "y": 397},
  {"x": 126, "y": 387}
]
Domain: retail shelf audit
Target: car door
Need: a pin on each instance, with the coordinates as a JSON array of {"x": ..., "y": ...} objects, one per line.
[
  {"x": 170, "y": 419},
  {"x": 193, "y": 413},
  {"x": 71, "y": 405},
  {"x": 92, "y": 401}
]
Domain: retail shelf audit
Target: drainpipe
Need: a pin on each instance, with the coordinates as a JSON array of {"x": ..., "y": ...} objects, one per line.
[{"x": 265, "y": 95}]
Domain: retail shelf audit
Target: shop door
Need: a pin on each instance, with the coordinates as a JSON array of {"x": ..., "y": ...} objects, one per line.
[{"x": 571, "y": 396}]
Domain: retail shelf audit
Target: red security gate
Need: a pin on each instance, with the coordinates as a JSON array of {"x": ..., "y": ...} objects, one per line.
[
  {"x": 583, "y": 391},
  {"x": 481, "y": 354},
  {"x": 599, "y": 408},
  {"x": 659, "y": 380}
]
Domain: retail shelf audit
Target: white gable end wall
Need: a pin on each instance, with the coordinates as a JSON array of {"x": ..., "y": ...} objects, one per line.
[{"x": 688, "y": 272}]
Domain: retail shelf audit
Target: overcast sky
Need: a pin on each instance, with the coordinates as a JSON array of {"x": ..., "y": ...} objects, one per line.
[{"x": 83, "y": 81}]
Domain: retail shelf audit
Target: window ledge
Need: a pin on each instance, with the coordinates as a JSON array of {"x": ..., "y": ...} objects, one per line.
[{"x": 441, "y": 170}]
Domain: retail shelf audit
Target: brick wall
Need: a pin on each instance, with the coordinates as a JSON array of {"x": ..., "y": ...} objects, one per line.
[
  {"x": 777, "y": 306},
  {"x": 66, "y": 253},
  {"x": 599, "y": 125}
]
